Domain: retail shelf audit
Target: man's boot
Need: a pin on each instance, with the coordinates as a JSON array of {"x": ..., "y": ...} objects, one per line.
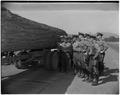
[
  {"x": 95, "y": 81},
  {"x": 75, "y": 71},
  {"x": 82, "y": 75},
  {"x": 86, "y": 78},
  {"x": 79, "y": 73},
  {"x": 90, "y": 79}
]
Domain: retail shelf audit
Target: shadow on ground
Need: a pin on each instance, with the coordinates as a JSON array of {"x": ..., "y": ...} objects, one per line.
[
  {"x": 37, "y": 81},
  {"x": 110, "y": 75}
]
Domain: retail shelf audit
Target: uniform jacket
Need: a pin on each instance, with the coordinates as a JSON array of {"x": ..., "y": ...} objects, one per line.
[
  {"x": 102, "y": 45},
  {"x": 66, "y": 47},
  {"x": 78, "y": 46}
]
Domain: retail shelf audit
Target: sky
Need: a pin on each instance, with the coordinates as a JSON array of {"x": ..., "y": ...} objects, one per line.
[{"x": 72, "y": 17}]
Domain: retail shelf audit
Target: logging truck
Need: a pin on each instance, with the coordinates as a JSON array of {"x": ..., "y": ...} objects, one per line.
[{"x": 34, "y": 44}]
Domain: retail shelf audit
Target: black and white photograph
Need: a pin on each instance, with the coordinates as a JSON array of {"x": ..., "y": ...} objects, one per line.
[{"x": 50, "y": 47}]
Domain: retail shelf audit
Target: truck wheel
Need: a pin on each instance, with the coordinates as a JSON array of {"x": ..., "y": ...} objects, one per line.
[{"x": 19, "y": 65}]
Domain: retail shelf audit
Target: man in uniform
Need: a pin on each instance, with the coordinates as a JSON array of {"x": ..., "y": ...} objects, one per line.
[
  {"x": 92, "y": 52},
  {"x": 60, "y": 65},
  {"x": 100, "y": 47},
  {"x": 65, "y": 48},
  {"x": 73, "y": 40},
  {"x": 70, "y": 51},
  {"x": 82, "y": 73},
  {"x": 77, "y": 54},
  {"x": 86, "y": 55},
  {"x": 103, "y": 47}
]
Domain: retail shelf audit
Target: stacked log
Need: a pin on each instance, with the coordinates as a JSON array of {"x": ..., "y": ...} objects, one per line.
[{"x": 20, "y": 33}]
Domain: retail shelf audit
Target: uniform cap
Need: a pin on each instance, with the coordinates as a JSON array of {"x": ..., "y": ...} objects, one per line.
[
  {"x": 75, "y": 36},
  {"x": 80, "y": 34},
  {"x": 99, "y": 34},
  {"x": 85, "y": 35},
  {"x": 94, "y": 37}
]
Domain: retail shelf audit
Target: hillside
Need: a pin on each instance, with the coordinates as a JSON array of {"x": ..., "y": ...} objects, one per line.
[
  {"x": 108, "y": 34},
  {"x": 21, "y": 33}
]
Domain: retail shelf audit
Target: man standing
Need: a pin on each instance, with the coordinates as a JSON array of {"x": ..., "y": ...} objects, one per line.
[
  {"x": 86, "y": 55},
  {"x": 70, "y": 52},
  {"x": 92, "y": 52},
  {"x": 67, "y": 49},
  {"x": 60, "y": 65},
  {"x": 77, "y": 55},
  {"x": 98, "y": 66},
  {"x": 64, "y": 48},
  {"x": 103, "y": 47}
]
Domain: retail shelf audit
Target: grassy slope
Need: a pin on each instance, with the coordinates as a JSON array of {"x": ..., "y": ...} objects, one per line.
[{"x": 114, "y": 45}]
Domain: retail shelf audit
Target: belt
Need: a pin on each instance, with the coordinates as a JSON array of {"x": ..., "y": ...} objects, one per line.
[
  {"x": 102, "y": 53},
  {"x": 77, "y": 51}
]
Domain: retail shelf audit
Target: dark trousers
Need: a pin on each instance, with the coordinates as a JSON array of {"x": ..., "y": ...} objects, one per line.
[
  {"x": 96, "y": 66},
  {"x": 71, "y": 58},
  {"x": 63, "y": 61},
  {"x": 101, "y": 63},
  {"x": 78, "y": 62},
  {"x": 91, "y": 66}
]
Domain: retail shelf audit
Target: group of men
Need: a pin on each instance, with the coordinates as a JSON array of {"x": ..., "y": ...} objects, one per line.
[{"x": 85, "y": 53}]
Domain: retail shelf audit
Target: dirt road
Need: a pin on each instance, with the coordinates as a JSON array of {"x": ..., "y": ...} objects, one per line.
[
  {"x": 37, "y": 81},
  {"x": 41, "y": 81}
]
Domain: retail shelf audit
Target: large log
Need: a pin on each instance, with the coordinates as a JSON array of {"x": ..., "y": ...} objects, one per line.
[{"x": 20, "y": 33}]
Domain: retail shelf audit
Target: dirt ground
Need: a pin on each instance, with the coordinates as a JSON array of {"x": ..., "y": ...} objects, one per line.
[
  {"x": 108, "y": 84},
  {"x": 41, "y": 81}
]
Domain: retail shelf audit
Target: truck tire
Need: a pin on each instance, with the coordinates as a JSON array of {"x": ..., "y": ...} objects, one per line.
[
  {"x": 20, "y": 60},
  {"x": 19, "y": 65}
]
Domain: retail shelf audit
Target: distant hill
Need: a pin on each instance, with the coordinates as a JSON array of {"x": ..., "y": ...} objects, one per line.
[
  {"x": 111, "y": 39},
  {"x": 21, "y": 33},
  {"x": 108, "y": 34}
]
